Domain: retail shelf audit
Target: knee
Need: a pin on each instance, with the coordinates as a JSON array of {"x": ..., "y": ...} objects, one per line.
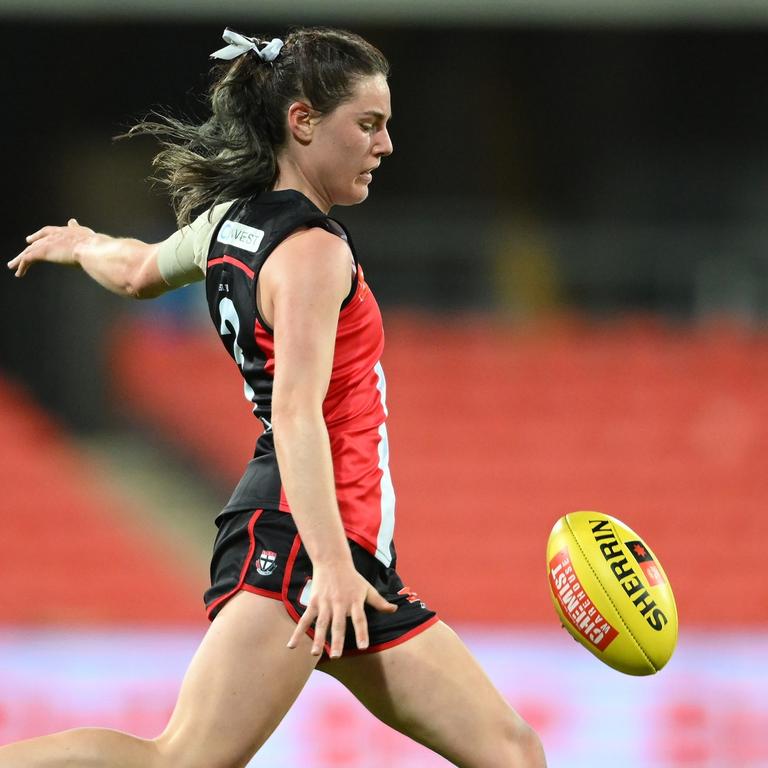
[
  {"x": 522, "y": 745},
  {"x": 176, "y": 752},
  {"x": 529, "y": 750}
]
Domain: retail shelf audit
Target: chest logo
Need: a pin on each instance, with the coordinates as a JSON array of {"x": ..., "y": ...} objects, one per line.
[{"x": 240, "y": 235}]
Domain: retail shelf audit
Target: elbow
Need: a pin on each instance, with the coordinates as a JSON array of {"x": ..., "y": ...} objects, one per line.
[
  {"x": 293, "y": 417},
  {"x": 284, "y": 430},
  {"x": 144, "y": 280},
  {"x": 133, "y": 290}
]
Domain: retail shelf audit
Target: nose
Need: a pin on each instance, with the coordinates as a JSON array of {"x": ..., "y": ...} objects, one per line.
[{"x": 384, "y": 144}]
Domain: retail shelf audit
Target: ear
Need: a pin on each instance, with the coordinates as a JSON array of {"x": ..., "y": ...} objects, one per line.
[{"x": 301, "y": 121}]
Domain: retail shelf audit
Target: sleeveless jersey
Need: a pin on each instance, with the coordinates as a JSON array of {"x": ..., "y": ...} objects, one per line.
[{"x": 354, "y": 408}]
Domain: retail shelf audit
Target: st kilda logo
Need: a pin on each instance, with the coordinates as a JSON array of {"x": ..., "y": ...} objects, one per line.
[{"x": 267, "y": 562}]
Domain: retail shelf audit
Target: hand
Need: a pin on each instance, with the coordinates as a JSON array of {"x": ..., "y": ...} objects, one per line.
[
  {"x": 56, "y": 245},
  {"x": 338, "y": 591}
]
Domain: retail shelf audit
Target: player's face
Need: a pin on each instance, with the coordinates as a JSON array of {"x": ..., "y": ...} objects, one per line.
[{"x": 350, "y": 142}]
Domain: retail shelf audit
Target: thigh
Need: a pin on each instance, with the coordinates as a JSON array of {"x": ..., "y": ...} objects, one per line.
[
  {"x": 433, "y": 690},
  {"x": 239, "y": 685}
]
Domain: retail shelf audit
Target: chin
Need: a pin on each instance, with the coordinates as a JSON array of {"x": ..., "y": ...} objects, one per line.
[{"x": 356, "y": 196}]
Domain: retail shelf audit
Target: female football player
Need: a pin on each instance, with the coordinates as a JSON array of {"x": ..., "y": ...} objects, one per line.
[{"x": 303, "y": 571}]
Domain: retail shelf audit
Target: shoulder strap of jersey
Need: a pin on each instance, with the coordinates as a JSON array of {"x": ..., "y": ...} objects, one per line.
[{"x": 253, "y": 227}]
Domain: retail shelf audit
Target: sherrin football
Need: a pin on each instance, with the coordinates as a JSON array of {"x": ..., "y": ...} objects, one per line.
[{"x": 611, "y": 593}]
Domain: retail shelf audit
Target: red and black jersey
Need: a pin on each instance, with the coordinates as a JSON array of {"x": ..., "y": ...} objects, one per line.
[{"x": 355, "y": 404}]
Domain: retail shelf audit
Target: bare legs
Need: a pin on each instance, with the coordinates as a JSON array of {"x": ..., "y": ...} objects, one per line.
[
  {"x": 238, "y": 687},
  {"x": 243, "y": 680},
  {"x": 432, "y": 689}
]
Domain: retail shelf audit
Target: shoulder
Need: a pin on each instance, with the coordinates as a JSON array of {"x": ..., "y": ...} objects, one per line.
[
  {"x": 310, "y": 253},
  {"x": 313, "y": 238}
]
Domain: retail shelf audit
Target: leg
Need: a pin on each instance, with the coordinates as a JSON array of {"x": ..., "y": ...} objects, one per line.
[
  {"x": 237, "y": 689},
  {"x": 431, "y": 689}
]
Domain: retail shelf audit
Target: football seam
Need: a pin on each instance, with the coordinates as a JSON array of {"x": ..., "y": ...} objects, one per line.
[{"x": 610, "y": 599}]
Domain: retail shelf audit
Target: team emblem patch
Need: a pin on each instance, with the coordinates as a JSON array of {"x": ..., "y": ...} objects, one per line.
[{"x": 267, "y": 562}]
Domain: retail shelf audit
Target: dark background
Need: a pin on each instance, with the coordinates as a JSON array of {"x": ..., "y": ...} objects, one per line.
[{"x": 537, "y": 170}]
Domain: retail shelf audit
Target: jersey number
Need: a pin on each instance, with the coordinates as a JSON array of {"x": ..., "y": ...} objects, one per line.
[{"x": 230, "y": 324}]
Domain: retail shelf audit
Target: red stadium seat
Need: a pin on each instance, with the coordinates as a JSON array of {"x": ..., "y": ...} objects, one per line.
[
  {"x": 497, "y": 431},
  {"x": 70, "y": 552}
]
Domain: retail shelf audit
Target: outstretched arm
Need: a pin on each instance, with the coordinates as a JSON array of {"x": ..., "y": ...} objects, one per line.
[{"x": 122, "y": 265}]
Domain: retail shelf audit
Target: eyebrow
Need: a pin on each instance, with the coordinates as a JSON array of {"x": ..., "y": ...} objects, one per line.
[{"x": 377, "y": 114}]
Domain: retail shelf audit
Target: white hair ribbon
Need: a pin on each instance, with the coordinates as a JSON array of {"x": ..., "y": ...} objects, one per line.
[{"x": 239, "y": 44}]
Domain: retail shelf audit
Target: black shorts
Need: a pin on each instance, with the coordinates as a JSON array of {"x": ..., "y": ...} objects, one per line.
[{"x": 261, "y": 552}]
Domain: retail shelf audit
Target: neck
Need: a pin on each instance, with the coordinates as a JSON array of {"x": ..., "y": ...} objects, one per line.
[{"x": 290, "y": 176}]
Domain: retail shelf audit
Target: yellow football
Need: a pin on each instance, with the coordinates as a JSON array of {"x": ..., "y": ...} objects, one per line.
[{"x": 611, "y": 593}]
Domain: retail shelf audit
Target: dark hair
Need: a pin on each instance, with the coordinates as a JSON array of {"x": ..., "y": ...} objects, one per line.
[{"x": 233, "y": 153}]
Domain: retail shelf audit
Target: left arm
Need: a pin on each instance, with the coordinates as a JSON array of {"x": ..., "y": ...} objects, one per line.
[{"x": 124, "y": 266}]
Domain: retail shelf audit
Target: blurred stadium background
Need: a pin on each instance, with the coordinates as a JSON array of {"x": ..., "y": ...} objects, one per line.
[{"x": 570, "y": 248}]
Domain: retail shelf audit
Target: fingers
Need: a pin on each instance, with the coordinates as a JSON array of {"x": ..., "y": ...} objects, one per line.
[
  {"x": 49, "y": 230},
  {"x": 338, "y": 634},
  {"x": 335, "y": 621},
  {"x": 321, "y": 630},
  {"x": 330, "y": 614},
  {"x": 40, "y": 233},
  {"x": 21, "y": 263},
  {"x": 360, "y": 624},
  {"x": 26, "y": 259},
  {"x": 322, "y": 621},
  {"x": 375, "y": 600},
  {"x": 303, "y": 625},
  {"x": 53, "y": 244}
]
